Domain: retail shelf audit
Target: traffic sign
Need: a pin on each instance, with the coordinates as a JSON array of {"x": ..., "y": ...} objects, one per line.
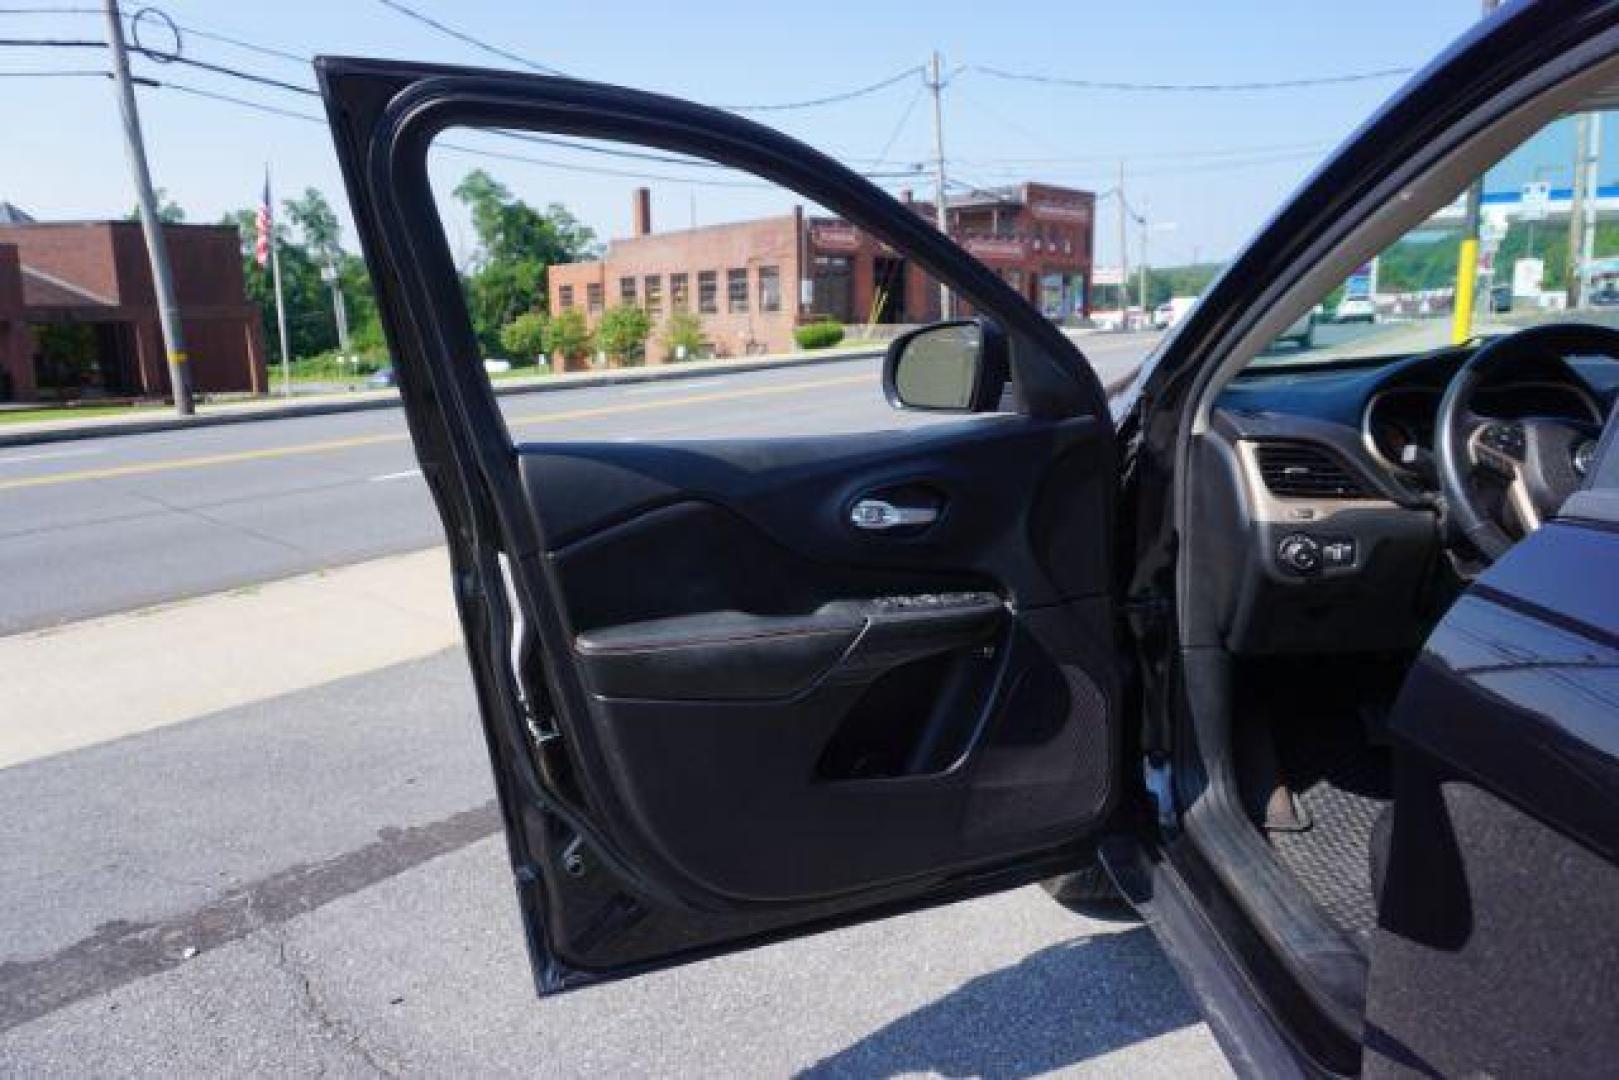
[{"x": 1536, "y": 203}]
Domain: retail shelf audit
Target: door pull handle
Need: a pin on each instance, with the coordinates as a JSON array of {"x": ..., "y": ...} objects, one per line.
[{"x": 877, "y": 515}]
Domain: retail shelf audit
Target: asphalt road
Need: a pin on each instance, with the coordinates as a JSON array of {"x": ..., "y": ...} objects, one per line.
[
  {"x": 104, "y": 525},
  {"x": 315, "y": 883}
]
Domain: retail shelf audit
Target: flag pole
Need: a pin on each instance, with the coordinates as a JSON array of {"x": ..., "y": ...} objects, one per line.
[{"x": 280, "y": 302}]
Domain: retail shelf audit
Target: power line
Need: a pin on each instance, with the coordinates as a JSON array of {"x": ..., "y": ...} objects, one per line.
[
  {"x": 830, "y": 99},
  {"x": 55, "y": 74},
  {"x": 635, "y": 155},
  {"x": 194, "y": 31},
  {"x": 893, "y": 137},
  {"x": 250, "y": 46},
  {"x": 1193, "y": 88},
  {"x": 1147, "y": 155},
  {"x": 467, "y": 39},
  {"x": 161, "y": 58},
  {"x": 291, "y": 114}
]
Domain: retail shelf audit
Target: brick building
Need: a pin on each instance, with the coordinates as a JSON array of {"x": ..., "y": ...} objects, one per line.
[
  {"x": 751, "y": 282},
  {"x": 78, "y": 314}
]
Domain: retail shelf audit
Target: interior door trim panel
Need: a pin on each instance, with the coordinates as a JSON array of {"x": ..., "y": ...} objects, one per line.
[{"x": 889, "y": 702}]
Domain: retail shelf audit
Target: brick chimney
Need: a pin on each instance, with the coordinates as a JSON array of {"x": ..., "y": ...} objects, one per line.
[{"x": 641, "y": 212}]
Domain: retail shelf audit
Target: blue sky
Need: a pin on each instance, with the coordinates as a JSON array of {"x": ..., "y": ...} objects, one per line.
[{"x": 1208, "y": 167}]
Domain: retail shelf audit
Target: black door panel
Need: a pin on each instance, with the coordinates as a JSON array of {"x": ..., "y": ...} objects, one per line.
[
  {"x": 1021, "y": 500},
  {"x": 771, "y": 671},
  {"x": 720, "y": 711}
]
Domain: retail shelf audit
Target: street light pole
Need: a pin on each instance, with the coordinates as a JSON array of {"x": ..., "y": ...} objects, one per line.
[
  {"x": 1124, "y": 256},
  {"x": 157, "y": 251}
]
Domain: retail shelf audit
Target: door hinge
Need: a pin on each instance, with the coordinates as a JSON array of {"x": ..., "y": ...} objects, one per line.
[{"x": 1160, "y": 784}]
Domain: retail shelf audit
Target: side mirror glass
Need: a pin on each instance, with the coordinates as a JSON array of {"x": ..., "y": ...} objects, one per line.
[{"x": 957, "y": 366}]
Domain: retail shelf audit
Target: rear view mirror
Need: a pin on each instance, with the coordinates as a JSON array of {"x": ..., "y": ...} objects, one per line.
[{"x": 957, "y": 366}]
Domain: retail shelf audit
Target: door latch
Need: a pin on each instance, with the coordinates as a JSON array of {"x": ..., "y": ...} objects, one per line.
[{"x": 877, "y": 514}]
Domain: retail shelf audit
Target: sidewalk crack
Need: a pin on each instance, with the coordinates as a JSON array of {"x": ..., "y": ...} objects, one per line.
[{"x": 317, "y": 1010}]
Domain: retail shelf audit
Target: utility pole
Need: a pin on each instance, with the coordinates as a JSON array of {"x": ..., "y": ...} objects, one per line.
[
  {"x": 1583, "y": 207},
  {"x": 340, "y": 311},
  {"x": 942, "y": 212},
  {"x": 174, "y": 344},
  {"x": 1141, "y": 270},
  {"x": 1461, "y": 325},
  {"x": 1124, "y": 256}
]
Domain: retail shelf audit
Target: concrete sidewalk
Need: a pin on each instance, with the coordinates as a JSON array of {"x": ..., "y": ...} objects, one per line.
[
  {"x": 89, "y": 682},
  {"x": 276, "y": 408}
]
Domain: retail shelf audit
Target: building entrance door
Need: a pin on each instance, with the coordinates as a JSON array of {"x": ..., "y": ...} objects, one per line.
[{"x": 888, "y": 275}]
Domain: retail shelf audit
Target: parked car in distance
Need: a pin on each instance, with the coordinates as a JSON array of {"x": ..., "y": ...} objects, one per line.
[
  {"x": 1172, "y": 311},
  {"x": 1355, "y": 310},
  {"x": 382, "y": 378}
]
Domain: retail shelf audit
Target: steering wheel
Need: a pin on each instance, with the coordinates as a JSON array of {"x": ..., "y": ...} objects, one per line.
[{"x": 1541, "y": 459}]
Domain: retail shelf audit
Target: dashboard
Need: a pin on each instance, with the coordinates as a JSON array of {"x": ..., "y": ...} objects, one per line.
[
  {"x": 1372, "y": 412},
  {"x": 1401, "y": 418},
  {"x": 1322, "y": 530}
]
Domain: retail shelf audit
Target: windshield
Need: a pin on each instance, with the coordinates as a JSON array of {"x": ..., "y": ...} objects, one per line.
[{"x": 1516, "y": 225}]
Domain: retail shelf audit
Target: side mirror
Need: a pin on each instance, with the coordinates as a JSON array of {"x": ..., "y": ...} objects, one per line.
[{"x": 957, "y": 366}]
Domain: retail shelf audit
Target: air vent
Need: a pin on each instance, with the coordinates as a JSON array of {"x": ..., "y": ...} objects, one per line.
[{"x": 1297, "y": 471}]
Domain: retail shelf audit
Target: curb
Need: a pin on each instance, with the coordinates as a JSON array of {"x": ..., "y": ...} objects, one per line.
[{"x": 617, "y": 377}]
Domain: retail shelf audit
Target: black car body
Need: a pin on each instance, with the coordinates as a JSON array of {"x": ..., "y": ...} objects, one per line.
[{"x": 908, "y": 667}]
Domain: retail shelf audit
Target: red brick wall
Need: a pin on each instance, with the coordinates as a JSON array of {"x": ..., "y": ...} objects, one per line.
[
  {"x": 744, "y": 245},
  {"x": 15, "y": 358},
  {"x": 109, "y": 260},
  {"x": 76, "y": 252}
]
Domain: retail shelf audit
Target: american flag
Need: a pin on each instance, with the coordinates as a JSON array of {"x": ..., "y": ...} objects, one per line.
[{"x": 261, "y": 247}]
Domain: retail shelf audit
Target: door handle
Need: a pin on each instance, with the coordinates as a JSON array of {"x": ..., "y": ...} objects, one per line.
[{"x": 875, "y": 514}]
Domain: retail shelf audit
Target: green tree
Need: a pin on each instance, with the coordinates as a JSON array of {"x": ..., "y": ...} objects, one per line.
[
  {"x": 516, "y": 245},
  {"x": 568, "y": 335},
  {"x": 169, "y": 212},
  {"x": 623, "y": 332},
  {"x": 316, "y": 223},
  {"x": 310, "y": 329},
  {"x": 684, "y": 330},
  {"x": 309, "y": 238},
  {"x": 1164, "y": 282},
  {"x": 524, "y": 337}
]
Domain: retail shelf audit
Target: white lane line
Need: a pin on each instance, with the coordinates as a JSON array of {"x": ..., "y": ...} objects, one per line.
[
  {"x": 397, "y": 475},
  {"x": 52, "y": 455}
]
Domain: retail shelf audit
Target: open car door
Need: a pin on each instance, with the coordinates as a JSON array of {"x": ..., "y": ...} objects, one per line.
[{"x": 737, "y": 690}]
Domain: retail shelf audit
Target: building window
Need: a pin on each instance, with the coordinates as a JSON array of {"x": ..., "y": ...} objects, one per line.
[
  {"x": 626, "y": 291},
  {"x": 593, "y": 297},
  {"x": 679, "y": 292},
  {"x": 769, "y": 288},
  {"x": 736, "y": 291},
  {"x": 565, "y": 297},
  {"x": 653, "y": 284},
  {"x": 708, "y": 292}
]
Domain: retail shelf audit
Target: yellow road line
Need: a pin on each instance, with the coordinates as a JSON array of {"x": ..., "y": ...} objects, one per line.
[{"x": 115, "y": 472}]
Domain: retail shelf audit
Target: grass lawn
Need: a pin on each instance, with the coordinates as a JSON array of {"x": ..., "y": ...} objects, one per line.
[{"x": 69, "y": 412}]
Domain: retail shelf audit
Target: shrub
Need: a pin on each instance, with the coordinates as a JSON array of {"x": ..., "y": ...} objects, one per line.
[
  {"x": 818, "y": 335},
  {"x": 684, "y": 329},
  {"x": 622, "y": 333},
  {"x": 524, "y": 337},
  {"x": 568, "y": 335}
]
